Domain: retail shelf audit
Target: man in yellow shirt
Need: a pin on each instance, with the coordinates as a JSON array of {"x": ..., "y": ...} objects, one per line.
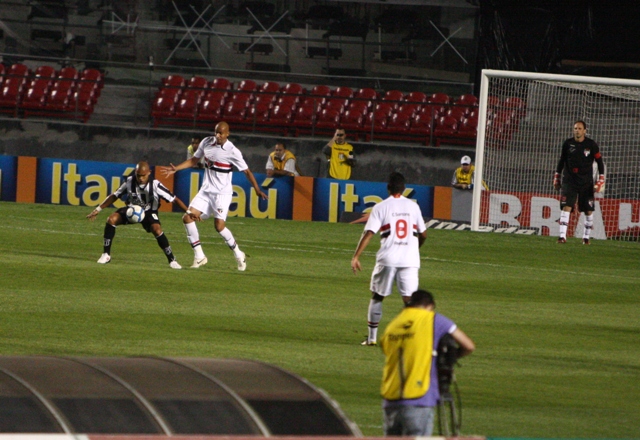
[
  {"x": 464, "y": 175},
  {"x": 339, "y": 153},
  {"x": 410, "y": 378}
]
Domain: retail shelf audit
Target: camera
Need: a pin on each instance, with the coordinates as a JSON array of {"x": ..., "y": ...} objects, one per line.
[{"x": 446, "y": 361}]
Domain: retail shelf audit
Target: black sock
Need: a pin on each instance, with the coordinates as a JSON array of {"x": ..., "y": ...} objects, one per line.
[
  {"x": 109, "y": 233},
  {"x": 163, "y": 242}
]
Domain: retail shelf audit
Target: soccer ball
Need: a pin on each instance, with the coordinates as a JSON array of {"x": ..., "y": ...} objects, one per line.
[{"x": 135, "y": 213}]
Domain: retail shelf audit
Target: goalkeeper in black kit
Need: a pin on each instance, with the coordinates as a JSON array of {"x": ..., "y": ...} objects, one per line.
[{"x": 574, "y": 177}]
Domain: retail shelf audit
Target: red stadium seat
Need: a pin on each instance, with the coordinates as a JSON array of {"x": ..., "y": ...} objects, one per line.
[
  {"x": 338, "y": 104},
  {"x": 395, "y": 97},
  {"x": 353, "y": 121},
  {"x": 467, "y": 100},
  {"x": 290, "y": 101},
  {"x": 327, "y": 120},
  {"x": 209, "y": 111},
  {"x": 187, "y": 105},
  {"x": 468, "y": 128},
  {"x": 235, "y": 111},
  {"x": 446, "y": 127},
  {"x": 385, "y": 108},
  {"x": 409, "y": 108},
  {"x": 269, "y": 87},
  {"x": 247, "y": 85},
  {"x": 422, "y": 127},
  {"x": 415, "y": 98},
  {"x": 304, "y": 118},
  {"x": 293, "y": 89},
  {"x": 281, "y": 115},
  {"x": 343, "y": 92},
  {"x": 439, "y": 98},
  {"x": 376, "y": 119},
  {"x": 198, "y": 82},
  {"x": 175, "y": 81},
  {"x": 457, "y": 112}
]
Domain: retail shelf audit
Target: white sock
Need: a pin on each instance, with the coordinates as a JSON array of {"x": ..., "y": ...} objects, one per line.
[
  {"x": 373, "y": 319},
  {"x": 194, "y": 238},
  {"x": 564, "y": 223},
  {"x": 588, "y": 225},
  {"x": 231, "y": 242}
]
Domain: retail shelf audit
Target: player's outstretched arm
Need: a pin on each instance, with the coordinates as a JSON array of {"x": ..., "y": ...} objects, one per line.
[
  {"x": 172, "y": 169},
  {"x": 108, "y": 201},
  {"x": 255, "y": 185}
]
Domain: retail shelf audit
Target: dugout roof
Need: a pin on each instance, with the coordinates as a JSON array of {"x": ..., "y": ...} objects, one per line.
[{"x": 147, "y": 395}]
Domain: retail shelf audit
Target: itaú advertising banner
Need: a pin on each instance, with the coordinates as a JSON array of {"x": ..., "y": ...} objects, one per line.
[
  {"x": 245, "y": 202},
  {"x": 8, "y": 169},
  {"x": 332, "y": 198},
  {"x": 79, "y": 182},
  {"x": 612, "y": 218}
]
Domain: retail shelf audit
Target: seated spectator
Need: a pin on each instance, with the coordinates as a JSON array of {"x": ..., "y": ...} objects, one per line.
[
  {"x": 463, "y": 176},
  {"x": 191, "y": 149},
  {"x": 282, "y": 162}
]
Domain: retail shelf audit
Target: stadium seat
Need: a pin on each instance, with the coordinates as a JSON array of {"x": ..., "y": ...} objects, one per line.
[
  {"x": 247, "y": 85},
  {"x": 457, "y": 112},
  {"x": 304, "y": 118},
  {"x": 17, "y": 70},
  {"x": 394, "y": 97},
  {"x": 269, "y": 87},
  {"x": 467, "y": 100},
  {"x": 338, "y": 104},
  {"x": 359, "y": 106},
  {"x": 445, "y": 127},
  {"x": 352, "y": 121},
  {"x": 287, "y": 100},
  {"x": 173, "y": 81},
  {"x": 410, "y": 108},
  {"x": 163, "y": 107},
  {"x": 293, "y": 90},
  {"x": 385, "y": 108},
  {"x": 198, "y": 83},
  {"x": 235, "y": 111},
  {"x": 415, "y": 98},
  {"x": 281, "y": 116},
  {"x": 343, "y": 92},
  {"x": 34, "y": 98},
  {"x": 45, "y": 72},
  {"x": 439, "y": 98},
  {"x": 209, "y": 112},
  {"x": 468, "y": 128},
  {"x": 421, "y": 127},
  {"x": 221, "y": 85},
  {"x": 327, "y": 121},
  {"x": 187, "y": 106},
  {"x": 377, "y": 120}
]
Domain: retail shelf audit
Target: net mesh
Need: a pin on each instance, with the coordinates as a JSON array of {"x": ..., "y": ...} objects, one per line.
[{"x": 527, "y": 122}]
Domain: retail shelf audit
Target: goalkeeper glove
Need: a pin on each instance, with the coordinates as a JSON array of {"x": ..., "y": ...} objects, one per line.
[
  {"x": 556, "y": 181},
  {"x": 599, "y": 184}
]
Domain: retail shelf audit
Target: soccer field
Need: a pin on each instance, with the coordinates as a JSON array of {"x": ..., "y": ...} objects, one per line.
[{"x": 556, "y": 326}]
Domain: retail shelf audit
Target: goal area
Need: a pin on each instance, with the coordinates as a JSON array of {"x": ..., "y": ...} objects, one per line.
[{"x": 523, "y": 120}]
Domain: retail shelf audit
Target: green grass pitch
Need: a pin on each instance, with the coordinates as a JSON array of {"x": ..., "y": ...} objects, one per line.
[{"x": 556, "y": 326}]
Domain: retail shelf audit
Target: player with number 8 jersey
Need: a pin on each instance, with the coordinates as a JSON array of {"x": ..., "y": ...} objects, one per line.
[{"x": 402, "y": 233}]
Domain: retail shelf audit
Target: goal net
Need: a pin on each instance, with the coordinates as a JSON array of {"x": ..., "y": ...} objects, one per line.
[{"x": 523, "y": 120}]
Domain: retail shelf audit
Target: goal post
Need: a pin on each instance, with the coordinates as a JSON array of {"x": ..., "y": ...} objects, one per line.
[{"x": 523, "y": 119}]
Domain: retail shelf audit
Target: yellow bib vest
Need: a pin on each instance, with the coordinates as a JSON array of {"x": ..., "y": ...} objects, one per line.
[{"x": 408, "y": 346}]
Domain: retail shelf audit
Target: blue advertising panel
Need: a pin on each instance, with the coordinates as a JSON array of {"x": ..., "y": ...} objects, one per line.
[
  {"x": 332, "y": 198},
  {"x": 79, "y": 182},
  {"x": 246, "y": 202},
  {"x": 8, "y": 173}
]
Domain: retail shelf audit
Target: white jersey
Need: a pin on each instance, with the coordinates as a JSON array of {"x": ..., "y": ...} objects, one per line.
[
  {"x": 219, "y": 161},
  {"x": 399, "y": 221},
  {"x": 148, "y": 196}
]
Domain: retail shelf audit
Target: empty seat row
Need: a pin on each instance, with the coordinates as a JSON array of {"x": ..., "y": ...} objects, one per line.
[
  {"x": 292, "y": 110},
  {"x": 66, "y": 93}
]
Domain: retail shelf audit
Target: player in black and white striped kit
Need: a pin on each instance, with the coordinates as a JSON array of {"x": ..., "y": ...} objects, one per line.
[{"x": 146, "y": 192}]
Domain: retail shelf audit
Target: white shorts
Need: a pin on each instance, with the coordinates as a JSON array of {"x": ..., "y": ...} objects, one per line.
[
  {"x": 216, "y": 206},
  {"x": 406, "y": 280}
]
